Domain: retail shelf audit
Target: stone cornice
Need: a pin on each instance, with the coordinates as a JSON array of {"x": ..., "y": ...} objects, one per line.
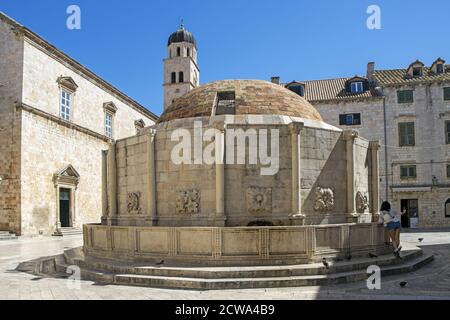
[
  {"x": 41, "y": 44},
  {"x": 62, "y": 122}
]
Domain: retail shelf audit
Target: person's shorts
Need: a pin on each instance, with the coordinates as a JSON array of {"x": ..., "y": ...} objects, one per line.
[{"x": 393, "y": 225}]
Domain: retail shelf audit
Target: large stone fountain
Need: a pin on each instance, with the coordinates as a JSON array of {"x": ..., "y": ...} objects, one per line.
[
  {"x": 239, "y": 184},
  {"x": 316, "y": 194}
]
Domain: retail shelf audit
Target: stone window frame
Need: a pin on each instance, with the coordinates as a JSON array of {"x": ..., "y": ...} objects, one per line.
[
  {"x": 69, "y": 86},
  {"x": 181, "y": 77},
  {"x": 417, "y": 71},
  {"x": 406, "y": 144},
  {"x": 343, "y": 123},
  {"x": 224, "y": 103},
  {"x": 408, "y": 167},
  {"x": 359, "y": 85},
  {"x": 448, "y": 170},
  {"x": 66, "y": 178},
  {"x": 444, "y": 93},
  {"x": 110, "y": 109},
  {"x": 403, "y": 101},
  {"x": 447, "y": 208},
  {"x": 447, "y": 131}
]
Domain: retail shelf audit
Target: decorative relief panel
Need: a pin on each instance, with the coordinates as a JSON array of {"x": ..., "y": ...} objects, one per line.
[
  {"x": 259, "y": 200},
  {"x": 188, "y": 202},
  {"x": 324, "y": 200},
  {"x": 362, "y": 202},
  {"x": 133, "y": 203}
]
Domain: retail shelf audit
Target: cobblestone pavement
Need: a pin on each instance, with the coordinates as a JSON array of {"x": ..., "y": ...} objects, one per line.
[{"x": 429, "y": 282}]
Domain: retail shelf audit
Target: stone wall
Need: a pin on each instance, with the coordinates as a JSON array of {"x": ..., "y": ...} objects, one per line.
[
  {"x": 11, "y": 56},
  {"x": 186, "y": 194},
  {"x": 132, "y": 175},
  {"x": 371, "y": 128},
  {"x": 362, "y": 176},
  {"x": 46, "y": 148},
  {"x": 234, "y": 246},
  {"x": 178, "y": 184},
  {"x": 323, "y": 169}
]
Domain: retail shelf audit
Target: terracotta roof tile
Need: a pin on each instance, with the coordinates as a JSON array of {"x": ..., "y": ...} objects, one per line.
[
  {"x": 333, "y": 89},
  {"x": 398, "y": 76}
]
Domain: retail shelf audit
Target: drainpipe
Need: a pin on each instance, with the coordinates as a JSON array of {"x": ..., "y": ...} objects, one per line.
[{"x": 386, "y": 163}]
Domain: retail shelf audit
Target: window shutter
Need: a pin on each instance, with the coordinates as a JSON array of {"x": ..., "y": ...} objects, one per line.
[
  {"x": 447, "y": 93},
  {"x": 401, "y": 133}
]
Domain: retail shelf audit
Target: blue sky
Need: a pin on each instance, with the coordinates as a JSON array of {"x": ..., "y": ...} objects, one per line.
[{"x": 125, "y": 41}]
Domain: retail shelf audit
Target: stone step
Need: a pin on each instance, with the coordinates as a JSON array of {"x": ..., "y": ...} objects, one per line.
[
  {"x": 69, "y": 231},
  {"x": 242, "y": 272},
  {"x": 86, "y": 274},
  {"x": 241, "y": 283},
  {"x": 5, "y": 235}
]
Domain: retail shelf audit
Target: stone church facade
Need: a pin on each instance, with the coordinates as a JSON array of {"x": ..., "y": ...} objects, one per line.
[
  {"x": 408, "y": 110},
  {"x": 56, "y": 117}
]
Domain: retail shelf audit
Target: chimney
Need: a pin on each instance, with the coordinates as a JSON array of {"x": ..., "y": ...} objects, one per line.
[
  {"x": 370, "y": 71},
  {"x": 275, "y": 80}
]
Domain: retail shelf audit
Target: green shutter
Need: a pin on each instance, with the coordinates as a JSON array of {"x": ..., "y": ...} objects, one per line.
[
  {"x": 403, "y": 172},
  {"x": 447, "y": 132},
  {"x": 401, "y": 134},
  {"x": 411, "y": 134},
  {"x": 447, "y": 93},
  {"x": 412, "y": 172},
  {"x": 405, "y": 96}
]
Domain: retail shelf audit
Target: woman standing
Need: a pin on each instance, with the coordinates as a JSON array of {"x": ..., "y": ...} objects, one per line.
[{"x": 391, "y": 219}]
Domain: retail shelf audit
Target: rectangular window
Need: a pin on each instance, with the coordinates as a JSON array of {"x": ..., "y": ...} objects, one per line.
[
  {"x": 417, "y": 71},
  {"x": 225, "y": 103},
  {"x": 448, "y": 170},
  {"x": 356, "y": 87},
  {"x": 108, "y": 125},
  {"x": 447, "y": 132},
  {"x": 173, "y": 77},
  {"x": 65, "y": 105},
  {"x": 408, "y": 172},
  {"x": 406, "y": 134},
  {"x": 439, "y": 68},
  {"x": 351, "y": 119},
  {"x": 405, "y": 96},
  {"x": 447, "y": 93}
]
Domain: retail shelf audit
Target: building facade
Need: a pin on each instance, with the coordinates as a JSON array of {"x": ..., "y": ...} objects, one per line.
[
  {"x": 56, "y": 118},
  {"x": 408, "y": 111}
]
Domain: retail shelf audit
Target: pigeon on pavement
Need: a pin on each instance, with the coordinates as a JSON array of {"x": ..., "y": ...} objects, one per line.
[{"x": 325, "y": 263}]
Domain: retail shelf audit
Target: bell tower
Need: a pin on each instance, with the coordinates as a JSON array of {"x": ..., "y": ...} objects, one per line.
[{"x": 181, "y": 73}]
